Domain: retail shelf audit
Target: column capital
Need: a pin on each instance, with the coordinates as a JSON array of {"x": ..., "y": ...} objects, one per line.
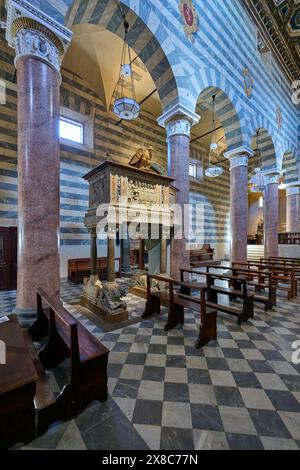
[
  {"x": 239, "y": 156},
  {"x": 293, "y": 189},
  {"x": 178, "y": 120},
  {"x": 272, "y": 176},
  {"x": 33, "y": 33}
]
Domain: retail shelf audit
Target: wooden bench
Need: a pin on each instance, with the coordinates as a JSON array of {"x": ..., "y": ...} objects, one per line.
[
  {"x": 88, "y": 362},
  {"x": 206, "y": 253},
  {"x": 213, "y": 290},
  {"x": 285, "y": 263},
  {"x": 176, "y": 302},
  {"x": 280, "y": 275},
  {"x": 260, "y": 285},
  {"x": 18, "y": 378},
  {"x": 80, "y": 268}
]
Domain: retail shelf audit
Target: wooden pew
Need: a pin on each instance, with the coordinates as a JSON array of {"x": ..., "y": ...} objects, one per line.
[
  {"x": 18, "y": 379},
  {"x": 213, "y": 290},
  {"x": 176, "y": 303},
  {"x": 280, "y": 275},
  {"x": 80, "y": 268},
  {"x": 260, "y": 285},
  {"x": 88, "y": 361},
  {"x": 285, "y": 263},
  {"x": 206, "y": 253}
]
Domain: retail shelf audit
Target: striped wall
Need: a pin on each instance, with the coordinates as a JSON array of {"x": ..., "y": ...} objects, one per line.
[
  {"x": 289, "y": 166},
  {"x": 224, "y": 46},
  {"x": 108, "y": 15},
  {"x": 225, "y": 111},
  {"x": 117, "y": 143}
]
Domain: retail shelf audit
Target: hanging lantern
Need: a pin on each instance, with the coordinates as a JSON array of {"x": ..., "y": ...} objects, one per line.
[
  {"x": 213, "y": 171},
  {"x": 257, "y": 181},
  {"x": 257, "y": 152},
  {"x": 125, "y": 105}
]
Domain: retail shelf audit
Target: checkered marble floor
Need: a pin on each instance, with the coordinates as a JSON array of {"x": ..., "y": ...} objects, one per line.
[{"x": 239, "y": 392}]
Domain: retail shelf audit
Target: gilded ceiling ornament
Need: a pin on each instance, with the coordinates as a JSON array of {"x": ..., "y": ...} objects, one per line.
[
  {"x": 190, "y": 18},
  {"x": 248, "y": 82},
  {"x": 279, "y": 117}
]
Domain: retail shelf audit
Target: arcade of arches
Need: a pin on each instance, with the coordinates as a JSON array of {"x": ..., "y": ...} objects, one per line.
[{"x": 63, "y": 152}]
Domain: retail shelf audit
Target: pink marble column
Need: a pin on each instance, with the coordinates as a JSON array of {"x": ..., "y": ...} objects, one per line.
[
  {"x": 38, "y": 181},
  {"x": 292, "y": 208},
  {"x": 238, "y": 203},
  {"x": 39, "y": 49},
  {"x": 178, "y": 166},
  {"x": 271, "y": 208},
  {"x": 178, "y": 126}
]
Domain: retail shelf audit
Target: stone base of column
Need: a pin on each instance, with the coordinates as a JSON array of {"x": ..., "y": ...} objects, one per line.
[
  {"x": 105, "y": 300},
  {"x": 26, "y": 316}
]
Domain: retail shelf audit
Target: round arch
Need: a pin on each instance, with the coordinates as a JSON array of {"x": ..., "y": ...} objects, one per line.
[
  {"x": 267, "y": 159},
  {"x": 108, "y": 15},
  {"x": 226, "y": 113}
]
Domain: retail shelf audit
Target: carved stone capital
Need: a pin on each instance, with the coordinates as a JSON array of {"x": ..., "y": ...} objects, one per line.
[
  {"x": 180, "y": 126},
  {"x": 293, "y": 190},
  {"x": 178, "y": 120},
  {"x": 272, "y": 176},
  {"x": 32, "y": 33},
  {"x": 239, "y": 157}
]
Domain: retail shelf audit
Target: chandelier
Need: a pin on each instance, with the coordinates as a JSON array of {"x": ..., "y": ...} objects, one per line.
[
  {"x": 125, "y": 105},
  {"x": 213, "y": 171}
]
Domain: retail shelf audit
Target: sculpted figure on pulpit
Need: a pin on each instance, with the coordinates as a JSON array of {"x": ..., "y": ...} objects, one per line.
[{"x": 142, "y": 159}]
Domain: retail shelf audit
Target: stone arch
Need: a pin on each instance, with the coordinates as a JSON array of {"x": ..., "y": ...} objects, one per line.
[
  {"x": 267, "y": 158},
  {"x": 289, "y": 168},
  {"x": 225, "y": 111},
  {"x": 108, "y": 15},
  {"x": 270, "y": 141}
]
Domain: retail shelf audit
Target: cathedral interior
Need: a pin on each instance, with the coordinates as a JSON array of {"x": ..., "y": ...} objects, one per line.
[{"x": 150, "y": 225}]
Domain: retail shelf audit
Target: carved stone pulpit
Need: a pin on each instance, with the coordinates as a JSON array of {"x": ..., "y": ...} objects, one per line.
[{"x": 136, "y": 198}]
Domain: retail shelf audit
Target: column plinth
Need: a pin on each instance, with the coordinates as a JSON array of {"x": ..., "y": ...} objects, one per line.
[{"x": 238, "y": 203}]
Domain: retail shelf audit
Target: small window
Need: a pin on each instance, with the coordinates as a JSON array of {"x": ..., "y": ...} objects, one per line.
[
  {"x": 71, "y": 130},
  {"x": 193, "y": 170}
]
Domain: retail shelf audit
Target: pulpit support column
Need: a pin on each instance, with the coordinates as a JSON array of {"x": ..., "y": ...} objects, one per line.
[
  {"x": 111, "y": 277},
  {"x": 141, "y": 254}
]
